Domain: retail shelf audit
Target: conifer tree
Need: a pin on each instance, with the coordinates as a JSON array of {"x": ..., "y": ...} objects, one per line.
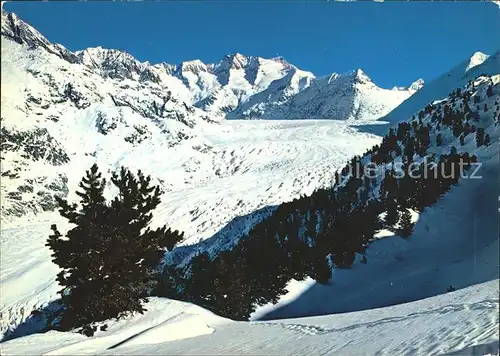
[
  {"x": 489, "y": 92},
  {"x": 199, "y": 286},
  {"x": 409, "y": 149},
  {"x": 75, "y": 255},
  {"x": 108, "y": 259},
  {"x": 479, "y": 137},
  {"x": 487, "y": 140},
  {"x": 439, "y": 139},
  {"x": 406, "y": 224},
  {"x": 392, "y": 215}
]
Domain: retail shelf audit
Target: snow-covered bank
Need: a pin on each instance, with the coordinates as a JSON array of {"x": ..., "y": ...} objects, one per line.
[{"x": 463, "y": 322}]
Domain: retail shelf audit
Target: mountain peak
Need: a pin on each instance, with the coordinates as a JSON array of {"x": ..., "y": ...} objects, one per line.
[
  {"x": 476, "y": 59},
  {"x": 417, "y": 85},
  {"x": 284, "y": 62},
  {"x": 194, "y": 66},
  {"x": 19, "y": 31},
  {"x": 234, "y": 60},
  {"x": 102, "y": 52},
  {"x": 360, "y": 76},
  {"x": 413, "y": 87}
]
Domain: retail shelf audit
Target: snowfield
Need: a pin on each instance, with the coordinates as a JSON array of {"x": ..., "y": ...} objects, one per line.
[
  {"x": 259, "y": 163},
  {"x": 464, "y": 322},
  {"x": 63, "y": 111}
]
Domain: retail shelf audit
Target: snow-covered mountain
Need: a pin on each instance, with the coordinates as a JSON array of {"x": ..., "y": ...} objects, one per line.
[
  {"x": 60, "y": 108},
  {"x": 59, "y": 116},
  {"x": 238, "y": 86},
  {"x": 351, "y": 96},
  {"x": 479, "y": 63},
  {"x": 246, "y": 87},
  {"x": 62, "y": 111},
  {"x": 57, "y": 109}
]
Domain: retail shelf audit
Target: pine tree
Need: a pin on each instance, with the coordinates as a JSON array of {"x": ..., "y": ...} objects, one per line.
[
  {"x": 108, "y": 259},
  {"x": 479, "y": 137},
  {"x": 392, "y": 215},
  {"x": 321, "y": 271},
  {"x": 489, "y": 92},
  {"x": 75, "y": 255},
  {"x": 199, "y": 287},
  {"x": 439, "y": 139},
  {"x": 389, "y": 186},
  {"x": 406, "y": 224},
  {"x": 409, "y": 149},
  {"x": 487, "y": 140}
]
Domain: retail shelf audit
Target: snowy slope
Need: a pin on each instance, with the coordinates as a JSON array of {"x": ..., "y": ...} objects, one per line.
[
  {"x": 62, "y": 111},
  {"x": 455, "y": 242},
  {"x": 464, "y": 322},
  {"x": 250, "y": 165},
  {"x": 350, "y": 96},
  {"x": 58, "y": 116},
  {"x": 469, "y": 69},
  {"x": 216, "y": 176}
]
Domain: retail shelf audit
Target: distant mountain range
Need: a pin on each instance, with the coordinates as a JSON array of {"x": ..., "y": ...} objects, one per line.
[
  {"x": 238, "y": 86},
  {"x": 62, "y": 109}
]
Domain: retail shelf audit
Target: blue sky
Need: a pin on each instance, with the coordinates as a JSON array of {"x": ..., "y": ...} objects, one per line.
[{"x": 393, "y": 42}]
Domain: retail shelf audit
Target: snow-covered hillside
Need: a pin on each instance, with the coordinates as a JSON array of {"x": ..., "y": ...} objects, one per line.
[
  {"x": 60, "y": 116},
  {"x": 463, "y": 322},
  {"x": 248, "y": 165},
  {"x": 63, "y": 111},
  {"x": 454, "y": 243},
  {"x": 478, "y": 64}
]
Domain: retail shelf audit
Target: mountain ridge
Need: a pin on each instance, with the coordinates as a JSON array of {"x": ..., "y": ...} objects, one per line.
[{"x": 228, "y": 86}]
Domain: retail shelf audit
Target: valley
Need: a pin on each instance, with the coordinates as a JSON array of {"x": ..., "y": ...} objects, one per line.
[{"x": 250, "y": 155}]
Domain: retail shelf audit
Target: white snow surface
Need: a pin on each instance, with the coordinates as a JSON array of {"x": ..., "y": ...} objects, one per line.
[
  {"x": 479, "y": 63},
  {"x": 219, "y": 177},
  {"x": 464, "y": 322}
]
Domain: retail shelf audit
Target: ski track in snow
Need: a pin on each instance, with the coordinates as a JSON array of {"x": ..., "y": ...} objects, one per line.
[
  {"x": 461, "y": 322},
  {"x": 318, "y": 330}
]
